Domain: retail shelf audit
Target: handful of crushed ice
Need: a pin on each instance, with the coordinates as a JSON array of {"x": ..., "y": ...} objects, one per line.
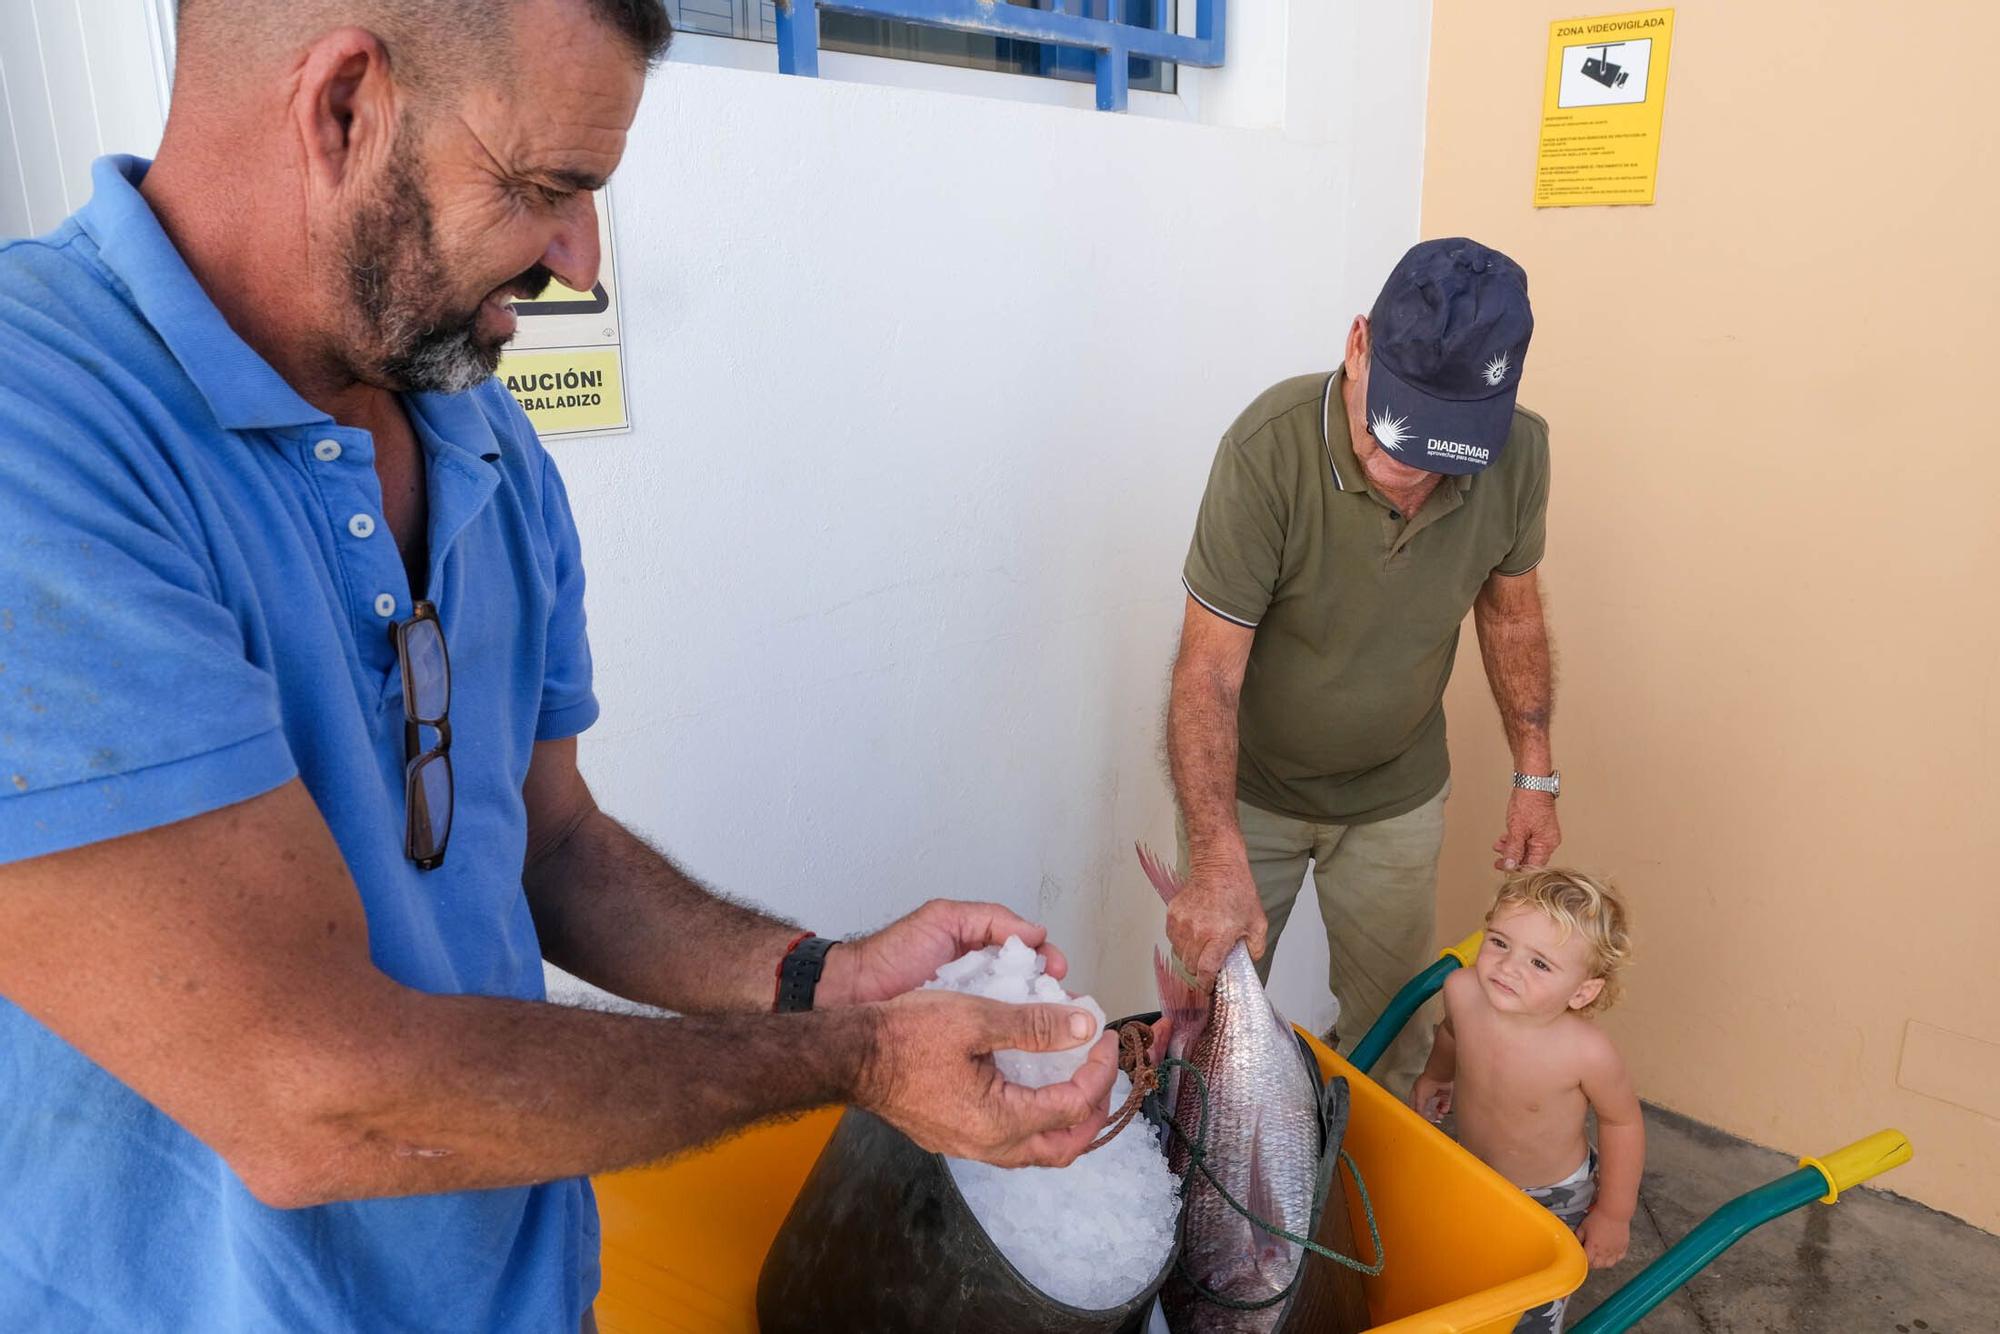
[{"x": 1092, "y": 1234}]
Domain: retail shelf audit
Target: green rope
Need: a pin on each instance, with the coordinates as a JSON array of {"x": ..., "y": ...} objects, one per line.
[{"x": 1198, "y": 1161}]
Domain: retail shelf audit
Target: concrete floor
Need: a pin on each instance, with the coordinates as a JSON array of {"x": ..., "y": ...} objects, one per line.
[{"x": 1872, "y": 1264}]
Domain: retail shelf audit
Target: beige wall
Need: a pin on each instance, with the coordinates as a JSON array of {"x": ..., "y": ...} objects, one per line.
[{"x": 1773, "y": 558}]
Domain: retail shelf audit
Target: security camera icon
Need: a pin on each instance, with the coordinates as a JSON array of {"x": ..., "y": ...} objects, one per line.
[{"x": 1600, "y": 68}]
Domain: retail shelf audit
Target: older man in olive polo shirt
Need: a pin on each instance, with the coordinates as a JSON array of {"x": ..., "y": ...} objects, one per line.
[{"x": 1351, "y": 520}]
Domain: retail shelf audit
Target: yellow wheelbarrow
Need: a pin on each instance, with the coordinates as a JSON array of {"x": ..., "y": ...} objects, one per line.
[{"x": 1466, "y": 1250}]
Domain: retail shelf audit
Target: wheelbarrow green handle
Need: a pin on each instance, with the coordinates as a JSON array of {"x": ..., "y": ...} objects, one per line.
[
  {"x": 1865, "y": 1158},
  {"x": 1819, "y": 1179},
  {"x": 1411, "y": 999}
]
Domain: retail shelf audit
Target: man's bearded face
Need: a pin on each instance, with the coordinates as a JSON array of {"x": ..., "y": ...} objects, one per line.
[{"x": 418, "y": 316}]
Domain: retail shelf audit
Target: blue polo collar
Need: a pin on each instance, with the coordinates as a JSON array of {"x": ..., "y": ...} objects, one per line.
[{"x": 244, "y": 391}]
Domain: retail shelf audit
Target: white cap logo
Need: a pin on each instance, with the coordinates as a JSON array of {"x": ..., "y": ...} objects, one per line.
[
  {"x": 1496, "y": 369},
  {"x": 1389, "y": 432}
]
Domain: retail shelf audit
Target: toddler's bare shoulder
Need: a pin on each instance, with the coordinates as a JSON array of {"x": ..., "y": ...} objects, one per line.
[
  {"x": 1590, "y": 1046},
  {"x": 1459, "y": 985}
]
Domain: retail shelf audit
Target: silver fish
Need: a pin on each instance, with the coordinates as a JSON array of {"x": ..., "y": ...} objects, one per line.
[{"x": 1262, "y": 1141}]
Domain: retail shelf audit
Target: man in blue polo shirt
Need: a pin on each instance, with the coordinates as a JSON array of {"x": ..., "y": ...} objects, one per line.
[{"x": 293, "y": 658}]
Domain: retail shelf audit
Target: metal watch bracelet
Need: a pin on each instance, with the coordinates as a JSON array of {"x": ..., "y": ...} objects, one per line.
[{"x": 1551, "y": 784}]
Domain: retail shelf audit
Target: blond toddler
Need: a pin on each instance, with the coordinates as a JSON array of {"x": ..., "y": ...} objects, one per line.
[{"x": 1519, "y": 1060}]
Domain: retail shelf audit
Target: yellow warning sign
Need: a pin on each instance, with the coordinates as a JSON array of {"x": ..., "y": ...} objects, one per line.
[
  {"x": 1602, "y": 102},
  {"x": 570, "y": 391},
  {"x": 566, "y": 365}
]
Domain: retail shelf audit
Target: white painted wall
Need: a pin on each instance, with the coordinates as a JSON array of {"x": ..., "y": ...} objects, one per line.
[
  {"x": 884, "y": 584},
  {"x": 78, "y": 78}
]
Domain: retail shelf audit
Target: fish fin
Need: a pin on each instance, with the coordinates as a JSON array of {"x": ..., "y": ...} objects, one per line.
[
  {"x": 1285, "y": 1029},
  {"x": 1267, "y": 1250},
  {"x": 1165, "y": 881}
]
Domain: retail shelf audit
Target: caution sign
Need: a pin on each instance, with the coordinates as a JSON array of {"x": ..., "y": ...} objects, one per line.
[
  {"x": 566, "y": 365},
  {"x": 1603, "y": 99}
]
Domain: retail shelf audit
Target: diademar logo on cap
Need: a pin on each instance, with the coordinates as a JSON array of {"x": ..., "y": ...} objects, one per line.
[
  {"x": 1389, "y": 432},
  {"x": 1496, "y": 369}
]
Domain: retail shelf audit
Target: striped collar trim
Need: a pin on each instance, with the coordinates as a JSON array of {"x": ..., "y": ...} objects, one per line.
[{"x": 1326, "y": 429}]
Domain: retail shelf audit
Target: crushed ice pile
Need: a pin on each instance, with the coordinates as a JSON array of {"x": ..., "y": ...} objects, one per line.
[{"x": 1092, "y": 1234}]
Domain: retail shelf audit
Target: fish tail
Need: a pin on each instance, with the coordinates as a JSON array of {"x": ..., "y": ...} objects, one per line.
[
  {"x": 1180, "y": 1002},
  {"x": 1188, "y": 1010}
]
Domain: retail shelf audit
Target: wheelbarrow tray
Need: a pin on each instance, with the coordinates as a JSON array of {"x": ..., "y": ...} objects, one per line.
[{"x": 1468, "y": 1251}]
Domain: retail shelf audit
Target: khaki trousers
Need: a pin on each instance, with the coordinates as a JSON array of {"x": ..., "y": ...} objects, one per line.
[{"x": 1377, "y": 886}]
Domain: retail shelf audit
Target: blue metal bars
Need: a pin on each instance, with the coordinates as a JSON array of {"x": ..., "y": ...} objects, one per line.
[{"x": 1113, "y": 43}]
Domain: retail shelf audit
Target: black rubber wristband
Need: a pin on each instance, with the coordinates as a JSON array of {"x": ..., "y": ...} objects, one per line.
[{"x": 798, "y": 975}]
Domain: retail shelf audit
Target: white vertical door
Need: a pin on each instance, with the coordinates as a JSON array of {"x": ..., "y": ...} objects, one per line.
[{"x": 78, "y": 79}]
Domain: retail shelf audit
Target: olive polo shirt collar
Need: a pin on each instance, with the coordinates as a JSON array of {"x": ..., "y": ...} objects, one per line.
[{"x": 1350, "y": 479}]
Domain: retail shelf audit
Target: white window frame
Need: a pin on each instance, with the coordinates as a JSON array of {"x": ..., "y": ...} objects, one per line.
[{"x": 160, "y": 27}]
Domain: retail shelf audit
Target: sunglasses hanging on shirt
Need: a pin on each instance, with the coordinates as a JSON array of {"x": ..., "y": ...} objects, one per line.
[{"x": 427, "y": 780}]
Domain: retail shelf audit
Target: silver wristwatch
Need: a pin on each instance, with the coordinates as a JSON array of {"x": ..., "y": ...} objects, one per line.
[{"x": 1553, "y": 784}]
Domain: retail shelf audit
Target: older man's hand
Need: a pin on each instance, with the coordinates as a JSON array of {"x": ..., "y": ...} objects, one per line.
[
  {"x": 908, "y": 952},
  {"x": 1214, "y": 910},
  {"x": 932, "y": 1076},
  {"x": 1533, "y": 834}
]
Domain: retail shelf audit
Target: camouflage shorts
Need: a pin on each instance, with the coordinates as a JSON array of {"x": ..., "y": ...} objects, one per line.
[{"x": 1569, "y": 1199}]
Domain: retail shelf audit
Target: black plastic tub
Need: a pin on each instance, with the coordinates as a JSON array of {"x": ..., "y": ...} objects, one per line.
[{"x": 880, "y": 1239}]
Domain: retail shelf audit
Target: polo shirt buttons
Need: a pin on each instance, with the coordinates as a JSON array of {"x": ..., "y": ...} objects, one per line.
[
  {"x": 385, "y": 605},
  {"x": 361, "y": 526},
  {"x": 326, "y": 451}
]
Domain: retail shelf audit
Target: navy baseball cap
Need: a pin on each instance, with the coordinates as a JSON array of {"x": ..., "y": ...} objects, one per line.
[{"x": 1447, "y": 339}]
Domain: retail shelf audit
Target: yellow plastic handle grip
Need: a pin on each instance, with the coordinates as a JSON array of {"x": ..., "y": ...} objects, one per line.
[
  {"x": 1865, "y": 1158},
  {"x": 1465, "y": 951}
]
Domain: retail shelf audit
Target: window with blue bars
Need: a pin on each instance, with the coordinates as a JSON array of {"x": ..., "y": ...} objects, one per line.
[{"x": 755, "y": 20}]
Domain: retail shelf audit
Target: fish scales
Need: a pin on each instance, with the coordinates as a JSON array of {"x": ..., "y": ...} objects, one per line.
[
  {"x": 1263, "y": 1123},
  {"x": 1262, "y": 1142}
]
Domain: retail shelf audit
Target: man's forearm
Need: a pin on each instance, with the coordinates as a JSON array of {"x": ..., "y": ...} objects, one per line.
[
  {"x": 1201, "y": 753},
  {"x": 618, "y": 914},
  {"x": 445, "y": 1093},
  {"x": 1520, "y": 668}
]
